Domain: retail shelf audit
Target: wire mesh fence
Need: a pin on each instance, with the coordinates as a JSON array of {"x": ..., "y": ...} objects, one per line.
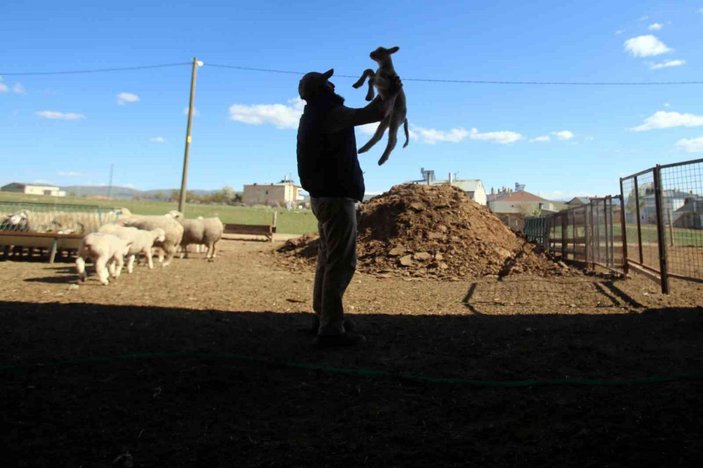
[
  {"x": 663, "y": 221},
  {"x": 587, "y": 235},
  {"x": 54, "y": 218}
]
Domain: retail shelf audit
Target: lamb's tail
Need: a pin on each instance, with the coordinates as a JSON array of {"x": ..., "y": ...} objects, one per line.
[{"x": 407, "y": 134}]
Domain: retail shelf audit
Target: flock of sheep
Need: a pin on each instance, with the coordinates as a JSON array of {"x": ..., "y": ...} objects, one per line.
[{"x": 120, "y": 235}]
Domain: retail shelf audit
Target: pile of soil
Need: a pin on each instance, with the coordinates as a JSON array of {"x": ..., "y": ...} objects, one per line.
[{"x": 435, "y": 231}]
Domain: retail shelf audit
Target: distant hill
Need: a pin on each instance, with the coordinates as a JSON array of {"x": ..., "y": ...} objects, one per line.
[{"x": 123, "y": 193}]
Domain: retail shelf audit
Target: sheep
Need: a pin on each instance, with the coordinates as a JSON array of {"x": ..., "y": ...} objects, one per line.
[
  {"x": 142, "y": 241},
  {"x": 107, "y": 252},
  {"x": 172, "y": 229},
  {"x": 18, "y": 222},
  {"x": 382, "y": 79},
  {"x": 15, "y": 222},
  {"x": 206, "y": 231}
]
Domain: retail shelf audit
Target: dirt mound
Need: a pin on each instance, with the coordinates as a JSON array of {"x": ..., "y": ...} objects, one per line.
[{"x": 435, "y": 231}]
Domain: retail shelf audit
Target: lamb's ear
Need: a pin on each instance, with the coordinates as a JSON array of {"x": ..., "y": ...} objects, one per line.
[{"x": 393, "y": 50}]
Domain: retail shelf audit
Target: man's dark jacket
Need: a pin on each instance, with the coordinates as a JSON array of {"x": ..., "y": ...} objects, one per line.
[{"x": 327, "y": 160}]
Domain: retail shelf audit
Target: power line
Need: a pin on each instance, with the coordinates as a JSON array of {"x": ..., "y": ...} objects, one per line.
[
  {"x": 425, "y": 80},
  {"x": 95, "y": 70},
  {"x": 497, "y": 82}
]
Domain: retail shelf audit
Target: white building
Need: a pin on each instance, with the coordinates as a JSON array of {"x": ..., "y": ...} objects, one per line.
[
  {"x": 284, "y": 193},
  {"x": 473, "y": 187},
  {"x": 32, "y": 189}
]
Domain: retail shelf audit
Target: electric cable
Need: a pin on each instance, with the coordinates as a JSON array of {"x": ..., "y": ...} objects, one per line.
[
  {"x": 95, "y": 70},
  {"x": 425, "y": 80}
]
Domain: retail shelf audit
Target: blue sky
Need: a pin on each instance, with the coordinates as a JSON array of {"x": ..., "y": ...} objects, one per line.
[{"x": 561, "y": 141}]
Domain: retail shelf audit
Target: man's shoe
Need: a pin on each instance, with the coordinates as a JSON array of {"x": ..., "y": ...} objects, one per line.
[
  {"x": 315, "y": 326},
  {"x": 337, "y": 341}
]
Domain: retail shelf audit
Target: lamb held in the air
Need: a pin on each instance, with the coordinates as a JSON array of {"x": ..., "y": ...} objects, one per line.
[
  {"x": 107, "y": 252},
  {"x": 381, "y": 79}
]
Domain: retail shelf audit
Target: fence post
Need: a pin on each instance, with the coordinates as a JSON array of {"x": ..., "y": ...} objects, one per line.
[
  {"x": 661, "y": 233},
  {"x": 564, "y": 227},
  {"x": 623, "y": 230},
  {"x": 639, "y": 222}
]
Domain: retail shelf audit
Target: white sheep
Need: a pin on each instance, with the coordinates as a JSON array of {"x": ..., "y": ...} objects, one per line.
[
  {"x": 107, "y": 252},
  {"x": 172, "y": 229},
  {"x": 141, "y": 241},
  {"x": 206, "y": 231}
]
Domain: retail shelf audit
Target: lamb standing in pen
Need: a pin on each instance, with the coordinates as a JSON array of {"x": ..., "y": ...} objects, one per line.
[
  {"x": 172, "y": 229},
  {"x": 381, "y": 80},
  {"x": 206, "y": 231},
  {"x": 107, "y": 252},
  {"x": 141, "y": 241}
]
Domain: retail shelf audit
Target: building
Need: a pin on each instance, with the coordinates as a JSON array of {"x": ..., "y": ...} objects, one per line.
[
  {"x": 690, "y": 215},
  {"x": 473, "y": 187},
  {"x": 284, "y": 193},
  {"x": 32, "y": 189},
  {"x": 578, "y": 201}
]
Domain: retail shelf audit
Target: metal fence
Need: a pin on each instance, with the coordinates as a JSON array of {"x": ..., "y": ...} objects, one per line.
[
  {"x": 51, "y": 217},
  {"x": 588, "y": 235},
  {"x": 663, "y": 221}
]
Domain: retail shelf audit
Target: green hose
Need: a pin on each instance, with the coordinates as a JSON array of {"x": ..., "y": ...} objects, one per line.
[{"x": 368, "y": 373}]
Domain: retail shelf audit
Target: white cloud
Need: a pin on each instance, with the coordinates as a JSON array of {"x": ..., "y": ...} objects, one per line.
[
  {"x": 667, "y": 64},
  {"x": 563, "y": 135},
  {"x": 663, "y": 119},
  {"x": 127, "y": 98},
  {"x": 279, "y": 115},
  {"x": 655, "y": 26},
  {"x": 691, "y": 145},
  {"x": 157, "y": 139},
  {"x": 646, "y": 46},
  {"x": 502, "y": 137},
  {"x": 70, "y": 174},
  {"x": 54, "y": 115},
  {"x": 619, "y": 32},
  {"x": 541, "y": 139},
  {"x": 432, "y": 136},
  {"x": 196, "y": 113},
  {"x": 17, "y": 88}
]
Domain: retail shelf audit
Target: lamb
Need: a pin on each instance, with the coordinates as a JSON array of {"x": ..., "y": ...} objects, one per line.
[
  {"x": 381, "y": 79},
  {"x": 18, "y": 222},
  {"x": 141, "y": 241},
  {"x": 206, "y": 231},
  {"x": 107, "y": 252},
  {"x": 172, "y": 229}
]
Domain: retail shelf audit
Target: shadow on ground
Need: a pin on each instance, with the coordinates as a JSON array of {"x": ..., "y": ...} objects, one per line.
[{"x": 218, "y": 388}]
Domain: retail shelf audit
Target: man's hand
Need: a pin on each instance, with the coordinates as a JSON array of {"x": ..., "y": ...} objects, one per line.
[{"x": 394, "y": 87}]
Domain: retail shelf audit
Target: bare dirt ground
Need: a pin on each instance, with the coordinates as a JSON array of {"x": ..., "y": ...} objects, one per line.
[{"x": 202, "y": 364}]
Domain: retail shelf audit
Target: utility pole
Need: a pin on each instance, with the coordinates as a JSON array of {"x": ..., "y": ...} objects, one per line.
[
  {"x": 109, "y": 187},
  {"x": 182, "y": 199}
]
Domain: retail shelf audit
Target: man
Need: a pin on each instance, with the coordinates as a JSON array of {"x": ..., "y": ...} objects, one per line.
[{"x": 329, "y": 170}]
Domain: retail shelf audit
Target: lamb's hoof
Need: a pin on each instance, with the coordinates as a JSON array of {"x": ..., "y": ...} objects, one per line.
[
  {"x": 382, "y": 160},
  {"x": 210, "y": 259},
  {"x": 363, "y": 149}
]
